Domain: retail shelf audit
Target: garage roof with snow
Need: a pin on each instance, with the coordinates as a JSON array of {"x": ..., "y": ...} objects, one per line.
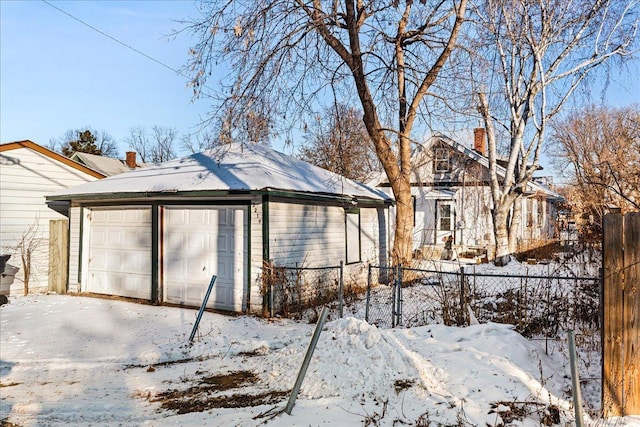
[{"x": 231, "y": 168}]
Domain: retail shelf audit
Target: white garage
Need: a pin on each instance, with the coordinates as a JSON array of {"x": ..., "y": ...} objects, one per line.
[
  {"x": 198, "y": 242},
  {"x": 119, "y": 251},
  {"x": 159, "y": 233}
]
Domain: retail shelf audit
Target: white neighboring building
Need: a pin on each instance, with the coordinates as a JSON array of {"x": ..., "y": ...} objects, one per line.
[
  {"x": 28, "y": 172},
  {"x": 159, "y": 233},
  {"x": 450, "y": 187}
]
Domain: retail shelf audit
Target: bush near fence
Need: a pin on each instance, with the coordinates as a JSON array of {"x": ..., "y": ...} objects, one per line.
[{"x": 290, "y": 291}]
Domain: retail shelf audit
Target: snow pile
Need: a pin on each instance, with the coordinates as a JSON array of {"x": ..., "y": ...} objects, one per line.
[{"x": 85, "y": 361}]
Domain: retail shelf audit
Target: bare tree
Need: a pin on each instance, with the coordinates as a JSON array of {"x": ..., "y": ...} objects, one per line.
[
  {"x": 198, "y": 142},
  {"x": 85, "y": 140},
  {"x": 252, "y": 123},
  {"x": 338, "y": 141},
  {"x": 598, "y": 150},
  {"x": 387, "y": 55},
  {"x": 528, "y": 60},
  {"x": 155, "y": 147}
]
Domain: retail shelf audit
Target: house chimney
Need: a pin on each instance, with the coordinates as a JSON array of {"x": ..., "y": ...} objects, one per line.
[
  {"x": 131, "y": 159},
  {"x": 480, "y": 141}
]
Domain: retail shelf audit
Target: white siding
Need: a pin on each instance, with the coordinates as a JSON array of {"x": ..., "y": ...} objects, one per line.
[
  {"x": 306, "y": 235},
  {"x": 474, "y": 210},
  {"x": 255, "y": 263},
  {"x": 26, "y": 176},
  {"x": 374, "y": 235},
  {"x": 74, "y": 249},
  {"x": 314, "y": 236}
]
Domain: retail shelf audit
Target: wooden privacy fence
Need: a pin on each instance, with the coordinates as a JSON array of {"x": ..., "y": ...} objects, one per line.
[
  {"x": 58, "y": 255},
  {"x": 621, "y": 315}
]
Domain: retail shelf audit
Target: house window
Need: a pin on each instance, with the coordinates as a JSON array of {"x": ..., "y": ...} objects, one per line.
[
  {"x": 352, "y": 220},
  {"x": 442, "y": 161},
  {"x": 445, "y": 217},
  {"x": 533, "y": 216}
]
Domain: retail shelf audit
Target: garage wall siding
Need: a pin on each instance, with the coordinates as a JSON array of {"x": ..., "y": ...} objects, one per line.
[
  {"x": 374, "y": 240},
  {"x": 306, "y": 235}
]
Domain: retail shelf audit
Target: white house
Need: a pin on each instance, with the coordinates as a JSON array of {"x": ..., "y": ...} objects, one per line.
[
  {"x": 28, "y": 172},
  {"x": 160, "y": 233},
  {"x": 452, "y": 197}
]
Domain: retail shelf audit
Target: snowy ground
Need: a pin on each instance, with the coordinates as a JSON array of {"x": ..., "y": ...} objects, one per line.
[{"x": 69, "y": 360}]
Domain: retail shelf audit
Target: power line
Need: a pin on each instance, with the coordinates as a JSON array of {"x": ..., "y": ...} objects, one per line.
[{"x": 115, "y": 39}]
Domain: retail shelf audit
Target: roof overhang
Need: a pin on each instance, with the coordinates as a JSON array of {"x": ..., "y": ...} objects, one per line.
[{"x": 217, "y": 194}]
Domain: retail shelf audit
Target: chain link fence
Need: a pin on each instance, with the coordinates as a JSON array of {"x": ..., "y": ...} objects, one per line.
[{"x": 535, "y": 305}]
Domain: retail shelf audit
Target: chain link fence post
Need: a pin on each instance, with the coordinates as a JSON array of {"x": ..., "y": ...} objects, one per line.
[
  {"x": 368, "y": 295},
  {"x": 341, "y": 286},
  {"x": 463, "y": 318},
  {"x": 399, "y": 297}
]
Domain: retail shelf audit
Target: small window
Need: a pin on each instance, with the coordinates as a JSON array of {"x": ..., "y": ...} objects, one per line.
[
  {"x": 353, "y": 236},
  {"x": 445, "y": 217},
  {"x": 530, "y": 215},
  {"x": 442, "y": 161}
]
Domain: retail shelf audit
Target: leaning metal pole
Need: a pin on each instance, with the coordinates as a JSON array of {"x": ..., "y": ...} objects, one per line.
[{"x": 307, "y": 359}]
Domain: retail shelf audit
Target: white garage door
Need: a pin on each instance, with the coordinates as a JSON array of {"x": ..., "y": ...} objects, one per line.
[
  {"x": 119, "y": 259},
  {"x": 199, "y": 242}
]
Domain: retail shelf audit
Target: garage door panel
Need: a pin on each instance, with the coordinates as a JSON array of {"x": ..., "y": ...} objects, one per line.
[
  {"x": 119, "y": 260},
  {"x": 211, "y": 244}
]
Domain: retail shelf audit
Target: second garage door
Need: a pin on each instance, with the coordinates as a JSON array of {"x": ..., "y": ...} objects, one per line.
[{"x": 199, "y": 242}]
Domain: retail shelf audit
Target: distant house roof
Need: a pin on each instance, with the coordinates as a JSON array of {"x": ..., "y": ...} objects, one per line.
[
  {"x": 107, "y": 165},
  {"x": 534, "y": 186},
  {"x": 234, "y": 168},
  {"x": 52, "y": 154}
]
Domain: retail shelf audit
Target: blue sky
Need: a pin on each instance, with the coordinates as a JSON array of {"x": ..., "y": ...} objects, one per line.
[{"x": 58, "y": 74}]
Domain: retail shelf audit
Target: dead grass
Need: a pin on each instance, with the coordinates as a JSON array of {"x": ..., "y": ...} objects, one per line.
[{"x": 209, "y": 393}]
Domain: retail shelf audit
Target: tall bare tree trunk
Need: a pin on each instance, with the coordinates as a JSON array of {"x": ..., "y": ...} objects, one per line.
[
  {"x": 514, "y": 225},
  {"x": 501, "y": 233},
  {"x": 403, "y": 238}
]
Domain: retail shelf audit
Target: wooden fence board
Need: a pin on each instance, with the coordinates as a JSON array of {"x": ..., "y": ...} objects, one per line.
[
  {"x": 612, "y": 297},
  {"x": 58, "y": 255},
  {"x": 631, "y": 322}
]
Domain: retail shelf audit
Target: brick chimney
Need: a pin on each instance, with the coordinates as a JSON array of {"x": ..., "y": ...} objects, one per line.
[
  {"x": 131, "y": 159},
  {"x": 480, "y": 141}
]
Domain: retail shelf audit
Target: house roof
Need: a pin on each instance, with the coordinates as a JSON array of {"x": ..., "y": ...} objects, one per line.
[
  {"x": 107, "y": 165},
  {"x": 232, "y": 168},
  {"x": 51, "y": 154},
  {"x": 533, "y": 187}
]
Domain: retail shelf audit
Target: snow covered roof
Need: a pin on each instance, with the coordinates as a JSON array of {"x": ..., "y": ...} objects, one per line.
[{"x": 234, "y": 167}]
